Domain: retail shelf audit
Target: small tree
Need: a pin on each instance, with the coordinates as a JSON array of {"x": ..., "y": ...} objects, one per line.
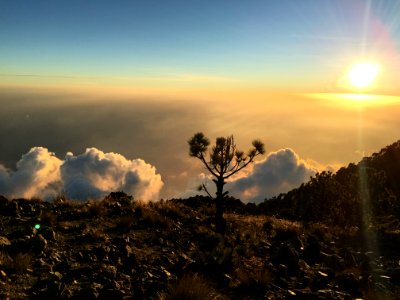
[{"x": 222, "y": 161}]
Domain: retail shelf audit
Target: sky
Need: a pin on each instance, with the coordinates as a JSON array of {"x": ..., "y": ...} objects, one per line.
[{"x": 121, "y": 87}]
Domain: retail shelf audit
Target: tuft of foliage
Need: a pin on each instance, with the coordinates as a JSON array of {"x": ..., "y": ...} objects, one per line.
[
  {"x": 95, "y": 208},
  {"x": 170, "y": 209},
  {"x": 125, "y": 223},
  {"x": 16, "y": 264},
  {"x": 48, "y": 218},
  {"x": 149, "y": 217},
  {"x": 189, "y": 287}
]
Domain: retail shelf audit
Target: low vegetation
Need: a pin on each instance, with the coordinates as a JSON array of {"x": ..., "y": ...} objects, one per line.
[{"x": 322, "y": 240}]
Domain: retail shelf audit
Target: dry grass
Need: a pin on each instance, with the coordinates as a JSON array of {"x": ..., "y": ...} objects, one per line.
[
  {"x": 97, "y": 234},
  {"x": 95, "y": 208},
  {"x": 148, "y": 216},
  {"x": 36, "y": 201},
  {"x": 168, "y": 209},
  {"x": 48, "y": 218},
  {"x": 61, "y": 200},
  {"x": 190, "y": 287},
  {"x": 21, "y": 262},
  {"x": 260, "y": 277},
  {"x": 207, "y": 210},
  {"x": 324, "y": 231},
  {"x": 5, "y": 259},
  {"x": 16, "y": 264},
  {"x": 286, "y": 225},
  {"x": 125, "y": 223}
]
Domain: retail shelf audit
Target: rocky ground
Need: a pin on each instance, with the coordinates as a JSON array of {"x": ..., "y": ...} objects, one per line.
[{"x": 119, "y": 248}]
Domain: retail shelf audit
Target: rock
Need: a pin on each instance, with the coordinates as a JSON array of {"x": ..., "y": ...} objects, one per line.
[
  {"x": 18, "y": 244},
  {"x": 349, "y": 283},
  {"x": 109, "y": 271},
  {"x": 332, "y": 261},
  {"x": 48, "y": 233},
  {"x": 349, "y": 257},
  {"x": 127, "y": 251},
  {"x": 332, "y": 295},
  {"x": 284, "y": 253},
  {"x": 129, "y": 263},
  {"x": 312, "y": 251},
  {"x": 13, "y": 208},
  {"x": 394, "y": 275},
  {"x": 301, "y": 295},
  {"x": 38, "y": 244},
  {"x": 303, "y": 265},
  {"x": 322, "y": 278},
  {"x": 282, "y": 271},
  {"x": 43, "y": 268},
  {"x": 4, "y": 241},
  {"x": 47, "y": 289},
  {"x": 88, "y": 292},
  {"x": 112, "y": 291},
  {"x": 112, "y": 294}
]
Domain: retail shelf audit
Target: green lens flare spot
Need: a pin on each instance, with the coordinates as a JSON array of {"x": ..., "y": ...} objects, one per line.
[{"x": 37, "y": 226}]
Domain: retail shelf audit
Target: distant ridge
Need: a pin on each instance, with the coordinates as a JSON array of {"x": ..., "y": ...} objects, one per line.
[
  {"x": 387, "y": 160},
  {"x": 359, "y": 194}
]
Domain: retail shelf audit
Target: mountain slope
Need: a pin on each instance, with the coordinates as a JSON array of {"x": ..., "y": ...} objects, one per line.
[{"x": 360, "y": 194}]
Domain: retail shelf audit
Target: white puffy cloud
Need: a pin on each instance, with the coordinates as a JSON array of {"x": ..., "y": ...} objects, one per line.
[
  {"x": 92, "y": 174},
  {"x": 37, "y": 174},
  {"x": 279, "y": 172},
  {"x": 95, "y": 173}
]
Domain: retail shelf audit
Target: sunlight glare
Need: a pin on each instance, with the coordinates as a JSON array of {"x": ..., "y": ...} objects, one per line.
[{"x": 362, "y": 75}]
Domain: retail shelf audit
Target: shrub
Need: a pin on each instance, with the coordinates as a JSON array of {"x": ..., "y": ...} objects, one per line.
[
  {"x": 48, "y": 218},
  {"x": 190, "y": 287},
  {"x": 96, "y": 208},
  {"x": 171, "y": 210},
  {"x": 125, "y": 222},
  {"x": 17, "y": 264},
  {"x": 151, "y": 218},
  {"x": 21, "y": 262}
]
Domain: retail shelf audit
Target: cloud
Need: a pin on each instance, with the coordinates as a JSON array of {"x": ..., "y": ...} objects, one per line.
[
  {"x": 279, "y": 172},
  {"x": 92, "y": 174},
  {"x": 95, "y": 173},
  {"x": 193, "y": 184},
  {"x": 37, "y": 174}
]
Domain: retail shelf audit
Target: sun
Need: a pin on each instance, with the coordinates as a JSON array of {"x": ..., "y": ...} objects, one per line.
[{"x": 362, "y": 75}]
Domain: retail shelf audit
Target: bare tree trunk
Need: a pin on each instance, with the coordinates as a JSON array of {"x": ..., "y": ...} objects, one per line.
[{"x": 219, "y": 216}]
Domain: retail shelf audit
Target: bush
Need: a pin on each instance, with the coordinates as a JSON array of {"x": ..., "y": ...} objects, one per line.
[
  {"x": 190, "y": 287},
  {"x": 125, "y": 223},
  {"x": 48, "y": 218},
  {"x": 17, "y": 264},
  {"x": 96, "y": 208},
  {"x": 151, "y": 218}
]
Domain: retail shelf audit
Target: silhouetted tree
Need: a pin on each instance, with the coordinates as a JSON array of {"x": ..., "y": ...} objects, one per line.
[{"x": 222, "y": 161}]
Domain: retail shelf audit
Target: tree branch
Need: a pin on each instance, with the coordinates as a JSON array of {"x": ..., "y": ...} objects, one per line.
[
  {"x": 207, "y": 166},
  {"x": 206, "y": 190},
  {"x": 251, "y": 159}
]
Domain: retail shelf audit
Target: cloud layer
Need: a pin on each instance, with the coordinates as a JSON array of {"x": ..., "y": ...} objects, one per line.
[
  {"x": 279, "y": 172},
  {"x": 92, "y": 174}
]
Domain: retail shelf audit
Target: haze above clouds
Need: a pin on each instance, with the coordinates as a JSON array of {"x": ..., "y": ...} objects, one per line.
[{"x": 155, "y": 132}]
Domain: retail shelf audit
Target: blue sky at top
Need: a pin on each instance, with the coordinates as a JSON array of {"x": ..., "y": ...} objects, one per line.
[{"x": 248, "y": 40}]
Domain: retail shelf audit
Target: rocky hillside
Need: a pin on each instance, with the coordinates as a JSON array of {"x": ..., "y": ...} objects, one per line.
[{"x": 119, "y": 248}]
